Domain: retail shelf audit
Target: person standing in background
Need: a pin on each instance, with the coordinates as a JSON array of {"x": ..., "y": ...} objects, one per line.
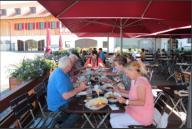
[{"x": 101, "y": 55}]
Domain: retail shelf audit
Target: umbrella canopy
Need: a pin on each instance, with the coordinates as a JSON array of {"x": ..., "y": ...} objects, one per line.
[
  {"x": 185, "y": 32},
  {"x": 60, "y": 42},
  {"x": 104, "y": 17},
  {"x": 48, "y": 42},
  {"x": 128, "y": 18}
]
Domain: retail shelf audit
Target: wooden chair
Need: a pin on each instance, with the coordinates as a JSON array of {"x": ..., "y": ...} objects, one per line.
[
  {"x": 186, "y": 79},
  {"x": 40, "y": 97},
  {"x": 179, "y": 78},
  {"x": 25, "y": 117}
]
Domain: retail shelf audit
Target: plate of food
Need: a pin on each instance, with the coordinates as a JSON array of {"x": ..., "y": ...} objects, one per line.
[
  {"x": 112, "y": 96},
  {"x": 97, "y": 103},
  {"x": 121, "y": 86},
  {"x": 108, "y": 87}
]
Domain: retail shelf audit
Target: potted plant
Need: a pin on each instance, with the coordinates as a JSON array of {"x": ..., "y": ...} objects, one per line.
[{"x": 30, "y": 69}]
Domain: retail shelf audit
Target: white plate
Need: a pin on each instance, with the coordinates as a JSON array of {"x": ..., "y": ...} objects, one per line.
[
  {"x": 105, "y": 69},
  {"x": 82, "y": 78},
  {"x": 91, "y": 104},
  {"x": 82, "y": 93},
  {"x": 117, "y": 95},
  {"x": 107, "y": 85}
]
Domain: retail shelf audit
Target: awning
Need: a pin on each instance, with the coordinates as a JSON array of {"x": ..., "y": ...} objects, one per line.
[{"x": 103, "y": 17}]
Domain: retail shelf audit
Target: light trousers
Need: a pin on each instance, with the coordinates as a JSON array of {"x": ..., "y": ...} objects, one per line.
[{"x": 122, "y": 120}]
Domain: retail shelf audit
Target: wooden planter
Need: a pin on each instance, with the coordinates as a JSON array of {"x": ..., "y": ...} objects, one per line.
[{"x": 13, "y": 82}]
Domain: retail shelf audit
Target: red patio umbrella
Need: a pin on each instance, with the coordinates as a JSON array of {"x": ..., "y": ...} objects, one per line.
[
  {"x": 60, "y": 42},
  {"x": 89, "y": 17},
  {"x": 48, "y": 42},
  {"x": 117, "y": 17},
  {"x": 120, "y": 18}
]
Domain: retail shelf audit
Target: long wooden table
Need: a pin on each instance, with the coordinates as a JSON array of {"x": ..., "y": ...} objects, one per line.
[{"x": 77, "y": 106}]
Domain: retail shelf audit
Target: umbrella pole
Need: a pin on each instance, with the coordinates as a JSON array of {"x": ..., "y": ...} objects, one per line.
[
  {"x": 189, "y": 112},
  {"x": 108, "y": 43},
  {"x": 121, "y": 32},
  {"x": 155, "y": 44}
]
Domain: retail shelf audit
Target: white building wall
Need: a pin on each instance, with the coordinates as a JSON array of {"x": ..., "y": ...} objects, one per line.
[{"x": 55, "y": 40}]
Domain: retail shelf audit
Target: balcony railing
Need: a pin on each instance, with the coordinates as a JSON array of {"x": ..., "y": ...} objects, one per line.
[{"x": 7, "y": 118}]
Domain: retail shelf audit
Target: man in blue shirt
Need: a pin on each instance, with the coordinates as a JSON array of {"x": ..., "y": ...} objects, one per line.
[
  {"x": 101, "y": 55},
  {"x": 60, "y": 88}
]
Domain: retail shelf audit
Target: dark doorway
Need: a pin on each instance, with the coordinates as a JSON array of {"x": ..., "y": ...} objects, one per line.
[
  {"x": 41, "y": 45},
  {"x": 20, "y": 45}
]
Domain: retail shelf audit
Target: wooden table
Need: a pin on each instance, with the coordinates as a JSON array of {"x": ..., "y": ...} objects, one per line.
[{"x": 77, "y": 106}]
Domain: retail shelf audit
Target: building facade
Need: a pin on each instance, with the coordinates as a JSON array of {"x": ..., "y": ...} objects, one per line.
[{"x": 21, "y": 24}]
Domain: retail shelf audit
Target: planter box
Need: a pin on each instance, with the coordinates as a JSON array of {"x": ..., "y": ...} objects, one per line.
[{"x": 13, "y": 82}]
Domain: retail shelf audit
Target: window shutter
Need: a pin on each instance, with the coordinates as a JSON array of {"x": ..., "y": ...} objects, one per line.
[
  {"x": 57, "y": 24},
  {"x": 33, "y": 26},
  {"x": 26, "y": 26},
  {"x": 45, "y": 25},
  {"x": 37, "y": 25},
  {"x": 49, "y": 25},
  {"x": 22, "y": 24}
]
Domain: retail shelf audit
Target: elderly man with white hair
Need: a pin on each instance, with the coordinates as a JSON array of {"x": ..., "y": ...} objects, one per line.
[
  {"x": 73, "y": 58},
  {"x": 76, "y": 63},
  {"x": 60, "y": 88}
]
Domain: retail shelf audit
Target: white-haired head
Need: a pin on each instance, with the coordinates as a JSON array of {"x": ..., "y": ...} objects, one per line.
[
  {"x": 73, "y": 58},
  {"x": 64, "y": 62}
]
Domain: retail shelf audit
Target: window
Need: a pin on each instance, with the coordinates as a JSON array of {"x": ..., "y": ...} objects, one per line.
[
  {"x": 32, "y": 10},
  {"x": 3, "y": 12},
  {"x": 30, "y": 26},
  {"x": 189, "y": 40},
  {"x": 20, "y": 26},
  {"x": 17, "y": 11},
  {"x": 42, "y": 25},
  {"x": 53, "y": 25},
  {"x": 67, "y": 44},
  {"x": 105, "y": 44}
]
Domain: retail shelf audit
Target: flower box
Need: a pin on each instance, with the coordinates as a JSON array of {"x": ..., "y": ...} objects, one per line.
[{"x": 13, "y": 82}]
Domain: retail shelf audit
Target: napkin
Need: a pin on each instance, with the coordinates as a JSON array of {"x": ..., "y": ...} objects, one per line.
[{"x": 113, "y": 107}]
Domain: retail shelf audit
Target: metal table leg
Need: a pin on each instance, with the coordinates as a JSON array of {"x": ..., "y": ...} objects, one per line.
[
  {"x": 82, "y": 126},
  {"x": 172, "y": 75},
  {"x": 100, "y": 117},
  {"x": 89, "y": 121},
  {"x": 103, "y": 120}
]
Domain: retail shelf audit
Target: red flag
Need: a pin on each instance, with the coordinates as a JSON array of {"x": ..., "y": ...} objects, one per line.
[
  {"x": 60, "y": 42},
  {"x": 26, "y": 26},
  {"x": 48, "y": 42}
]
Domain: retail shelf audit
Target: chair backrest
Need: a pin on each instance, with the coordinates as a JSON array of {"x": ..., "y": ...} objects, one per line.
[
  {"x": 150, "y": 72},
  {"x": 22, "y": 108},
  {"x": 40, "y": 91},
  {"x": 160, "y": 113},
  {"x": 186, "y": 79},
  {"x": 40, "y": 96},
  {"x": 179, "y": 78}
]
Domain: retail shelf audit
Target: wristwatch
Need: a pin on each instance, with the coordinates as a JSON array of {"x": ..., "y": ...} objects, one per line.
[{"x": 127, "y": 102}]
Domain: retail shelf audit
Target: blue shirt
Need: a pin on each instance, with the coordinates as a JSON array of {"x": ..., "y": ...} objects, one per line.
[
  {"x": 102, "y": 56},
  {"x": 58, "y": 83}
]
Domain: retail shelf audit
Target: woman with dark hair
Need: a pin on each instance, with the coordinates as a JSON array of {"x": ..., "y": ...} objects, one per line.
[{"x": 94, "y": 61}]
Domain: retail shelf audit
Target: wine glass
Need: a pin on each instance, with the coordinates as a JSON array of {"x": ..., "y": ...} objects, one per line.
[{"x": 98, "y": 92}]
